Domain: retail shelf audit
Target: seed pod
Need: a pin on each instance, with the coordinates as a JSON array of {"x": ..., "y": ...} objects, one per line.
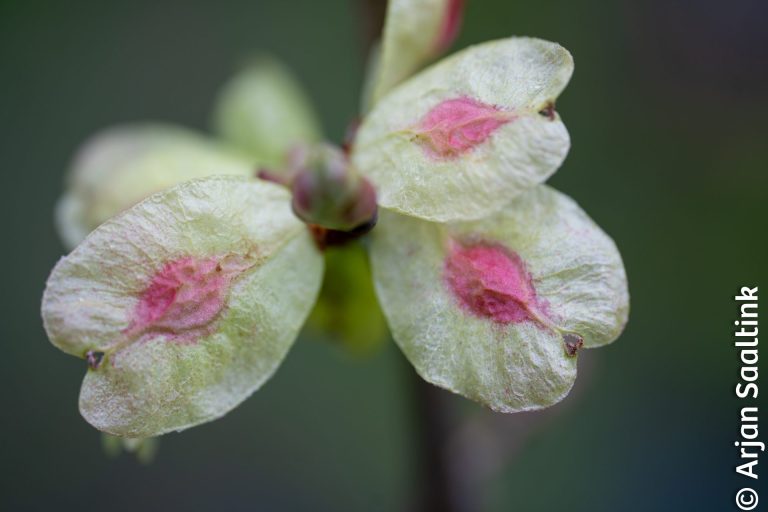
[
  {"x": 461, "y": 139},
  {"x": 496, "y": 309},
  {"x": 191, "y": 299}
]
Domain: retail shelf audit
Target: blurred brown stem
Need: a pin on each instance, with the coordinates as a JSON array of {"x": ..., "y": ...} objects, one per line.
[
  {"x": 372, "y": 13},
  {"x": 440, "y": 485}
]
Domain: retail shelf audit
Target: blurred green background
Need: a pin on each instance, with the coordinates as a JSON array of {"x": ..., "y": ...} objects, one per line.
[{"x": 667, "y": 115}]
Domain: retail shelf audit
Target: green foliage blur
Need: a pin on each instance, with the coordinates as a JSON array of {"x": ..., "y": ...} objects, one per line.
[{"x": 666, "y": 113}]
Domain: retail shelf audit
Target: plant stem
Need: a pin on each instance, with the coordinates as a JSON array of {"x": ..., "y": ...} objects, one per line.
[
  {"x": 440, "y": 488},
  {"x": 372, "y": 13}
]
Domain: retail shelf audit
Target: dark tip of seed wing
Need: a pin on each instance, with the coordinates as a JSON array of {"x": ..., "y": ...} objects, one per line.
[
  {"x": 94, "y": 359},
  {"x": 573, "y": 342},
  {"x": 548, "y": 111}
]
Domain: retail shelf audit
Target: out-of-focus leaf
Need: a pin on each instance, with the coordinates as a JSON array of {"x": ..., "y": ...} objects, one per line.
[
  {"x": 263, "y": 110},
  {"x": 144, "y": 449},
  {"x": 124, "y": 164}
]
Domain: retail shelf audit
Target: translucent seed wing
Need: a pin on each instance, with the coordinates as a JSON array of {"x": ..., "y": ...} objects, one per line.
[
  {"x": 462, "y": 138},
  {"x": 264, "y": 111},
  {"x": 489, "y": 309},
  {"x": 184, "y": 304},
  {"x": 415, "y": 31},
  {"x": 122, "y": 165}
]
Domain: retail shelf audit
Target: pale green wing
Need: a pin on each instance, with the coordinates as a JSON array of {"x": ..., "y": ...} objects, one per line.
[
  {"x": 120, "y": 166},
  {"x": 415, "y": 31},
  {"x": 184, "y": 304},
  {"x": 461, "y": 139},
  {"x": 501, "y": 325},
  {"x": 264, "y": 111}
]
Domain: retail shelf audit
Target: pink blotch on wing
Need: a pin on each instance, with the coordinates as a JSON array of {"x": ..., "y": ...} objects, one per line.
[
  {"x": 185, "y": 296},
  {"x": 456, "y": 126},
  {"x": 490, "y": 281}
]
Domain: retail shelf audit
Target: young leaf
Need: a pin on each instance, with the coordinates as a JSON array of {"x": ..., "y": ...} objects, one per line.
[
  {"x": 496, "y": 309},
  {"x": 264, "y": 111},
  {"x": 415, "y": 31},
  {"x": 461, "y": 139},
  {"x": 122, "y": 165},
  {"x": 184, "y": 304}
]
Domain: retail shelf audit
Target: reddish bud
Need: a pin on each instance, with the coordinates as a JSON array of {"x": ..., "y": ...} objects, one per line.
[{"x": 328, "y": 193}]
